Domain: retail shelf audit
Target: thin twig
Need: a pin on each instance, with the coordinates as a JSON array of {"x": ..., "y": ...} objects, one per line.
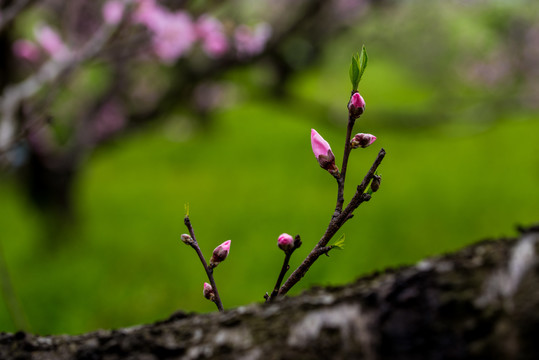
[
  {"x": 49, "y": 72},
  {"x": 11, "y": 12},
  {"x": 346, "y": 154},
  {"x": 334, "y": 225},
  {"x": 284, "y": 269},
  {"x": 288, "y": 253},
  {"x": 209, "y": 272}
]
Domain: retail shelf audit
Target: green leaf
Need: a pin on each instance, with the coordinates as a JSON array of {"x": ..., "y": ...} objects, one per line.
[
  {"x": 357, "y": 67},
  {"x": 362, "y": 62},
  {"x": 354, "y": 73},
  {"x": 339, "y": 244},
  {"x": 186, "y": 206}
]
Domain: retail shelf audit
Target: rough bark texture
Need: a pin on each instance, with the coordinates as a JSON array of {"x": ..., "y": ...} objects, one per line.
[{"x": 479, "y": 303}]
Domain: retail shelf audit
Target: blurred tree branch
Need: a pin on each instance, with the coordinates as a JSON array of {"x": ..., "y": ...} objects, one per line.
[{"x": 25, "y": 107}]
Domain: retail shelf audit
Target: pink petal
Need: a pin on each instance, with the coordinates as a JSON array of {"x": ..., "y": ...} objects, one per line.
[{"x": 319, "y": 145}]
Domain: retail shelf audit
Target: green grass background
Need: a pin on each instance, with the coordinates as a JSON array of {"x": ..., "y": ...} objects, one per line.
[{"x": 251, "y": 176}]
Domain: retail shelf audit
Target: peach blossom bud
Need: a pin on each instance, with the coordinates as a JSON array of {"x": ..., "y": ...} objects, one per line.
[
  {"x": 356, "y": 106},
  {"x": 285, "y": 242},
  {"x": 375, "y": 184},
  {"x": 113, "y": 11},
  {"x": 220, "y": 253},
  {"x": 208, "y": 292},
  {"x": 187, "y": 239},
  {"x": 322, "y": 152},
  {"x": 362, "y": 140}
]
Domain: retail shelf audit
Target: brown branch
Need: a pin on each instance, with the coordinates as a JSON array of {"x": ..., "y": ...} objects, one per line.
[
  {"x": 14, "y": 95},
  {"x": 10, "y": 13},
  {"x": 209, "y": 272},
  {"x": 284, "y": 269},
  {"x": 457, "y": 305},
  {"x": 334, "y": 225},
  {"x": 346, "y": 154}
]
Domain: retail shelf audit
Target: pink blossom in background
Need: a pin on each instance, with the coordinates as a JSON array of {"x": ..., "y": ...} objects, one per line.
[
  {"x": 149, "y": 13},
  {"x": 51, "y": 42},
  {"x": 113, "y": 11},
  {"x": 27, "y": 50},
  {"x": 173, "y": 33},
  {"x": 174, "y": 36},
  {"x": 250, "y": 42},
  {"x": 109, "y": 120},
  {"x": 210, "y": 31}
]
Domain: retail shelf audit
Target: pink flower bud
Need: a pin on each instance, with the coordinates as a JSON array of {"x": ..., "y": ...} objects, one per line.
[
  {"x": 220, "y": 253},
  {"x": 356, "y": 106},
  {"x": 208, "y": 292},
  {"x": 113, "y": 11},
  {"x": 285, "y": 242},
  {"x": 322, "y": 152},
  {"x": 362, "y": 140}
]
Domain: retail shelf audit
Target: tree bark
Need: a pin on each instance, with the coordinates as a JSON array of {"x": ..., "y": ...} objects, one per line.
[{"x": 481, "y": 302}]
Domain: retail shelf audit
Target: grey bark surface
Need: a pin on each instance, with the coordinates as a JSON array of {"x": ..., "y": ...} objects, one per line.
[{"x": 481, "y": 302}]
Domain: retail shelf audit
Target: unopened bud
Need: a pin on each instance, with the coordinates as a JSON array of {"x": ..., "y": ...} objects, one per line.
[
  {"x": 187, "y": 239},
  {"x": 356, "y": 105},
  {"x": 285, "y": 242},
  {"x": 362, "y": 140},
  {"x": 208, "y": 292},
  {"x": 220, "y": 253},
  {"x": 322, "y": 152},
  {"x": 375, "y": 184}
]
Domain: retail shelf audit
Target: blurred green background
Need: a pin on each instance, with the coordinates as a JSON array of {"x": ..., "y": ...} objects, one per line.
[{"x": 462, "y": 165}]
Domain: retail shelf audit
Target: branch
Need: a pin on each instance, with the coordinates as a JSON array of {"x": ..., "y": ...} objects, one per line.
[
  {"x": 478, "y": 303},
  {"x": 11, "y": 12},
  {"x": 335, "y": 224},
  {"x": 209, "y": 271},
  {"x": 342, "y": 177},
  {"x": 288, "y": 253},
  {"x": 14, "y": 95},
  {"x": 284, "y": 269}
]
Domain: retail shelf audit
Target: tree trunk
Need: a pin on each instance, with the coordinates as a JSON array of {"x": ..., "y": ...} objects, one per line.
[{"x": 479, "y": 303}]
